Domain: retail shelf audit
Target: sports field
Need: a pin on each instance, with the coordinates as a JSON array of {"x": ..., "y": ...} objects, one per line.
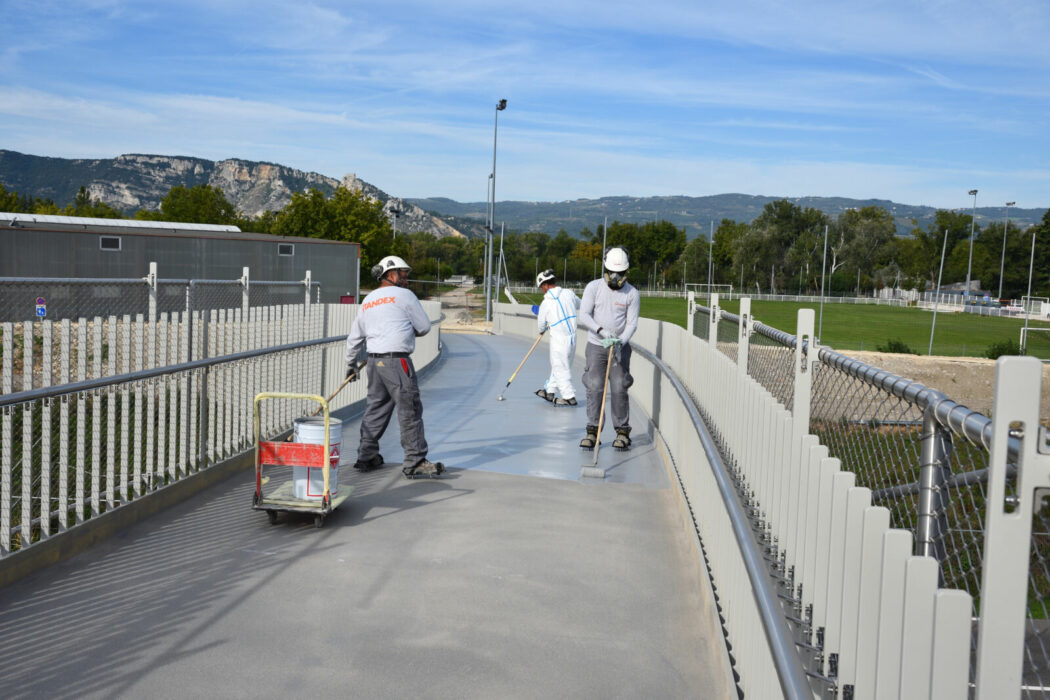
[{"x": 864, "y": 327}]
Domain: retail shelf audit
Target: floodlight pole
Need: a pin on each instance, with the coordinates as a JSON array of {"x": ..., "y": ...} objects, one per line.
[
  {"x": 937, "y": 296},
  {"x": 969, "y": 264},
  {"x": 1002, "y": 260},
  {"x": 500, "y": 106},
  {"x": 823, "y": 271},
  {"x": 710, "y": 252},
  {"x": 1028, "y": 300}
]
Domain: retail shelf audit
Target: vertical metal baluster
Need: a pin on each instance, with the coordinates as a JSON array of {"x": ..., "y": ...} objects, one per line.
[
  {"x": 26, "y": 505},
  {"x": 125, "y": 403},
  {"x": 81, "y": 424},
  {"x": 184, "y": 393},
  {"x": 96, "y": 420},
  {"x": 162, "y": 400},
  {"x": 140, "y": 431},
  {"x": 6, "y": 431},
  {"x": 63, "y": 426},
  {"x": 47, "y": 336},
  {"x": 172, "y": 389},
  {"x": 111, "y": 418}
]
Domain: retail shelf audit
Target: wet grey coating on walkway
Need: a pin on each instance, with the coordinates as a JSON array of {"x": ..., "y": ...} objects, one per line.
[{"x": 487, "y": 583}]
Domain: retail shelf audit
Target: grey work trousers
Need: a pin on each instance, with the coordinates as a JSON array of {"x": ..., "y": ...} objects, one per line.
[
  {"x": 392, "y": 382},
  {"x": 620, "y": 380}
]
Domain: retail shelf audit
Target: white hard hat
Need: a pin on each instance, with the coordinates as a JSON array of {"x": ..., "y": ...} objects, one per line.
[
  {"x": 545, "y": 276},
  {"x": 616, "y": 260},
  {"x": 390, "y": 262}
]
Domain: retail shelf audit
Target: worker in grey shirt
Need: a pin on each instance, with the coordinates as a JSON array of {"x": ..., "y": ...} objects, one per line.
[
  {"x": 610, "y": 311},
  {"x": 387, "y": 325}
]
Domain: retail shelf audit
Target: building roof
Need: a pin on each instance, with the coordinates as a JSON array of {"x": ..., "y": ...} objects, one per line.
[{"x": 128, "y": 223}]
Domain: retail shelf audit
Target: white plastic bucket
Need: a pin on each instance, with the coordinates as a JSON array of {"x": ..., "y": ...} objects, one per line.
[{"x": 308, "y": 482}]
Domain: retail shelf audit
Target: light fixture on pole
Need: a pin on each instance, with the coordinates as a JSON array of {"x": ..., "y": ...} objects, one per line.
[
  {"x": 1002, "y": 260},
  {"x": 500, "y": 106},
  {"x": 969, "y": 264},
  {"x": 395, "y": 212}
]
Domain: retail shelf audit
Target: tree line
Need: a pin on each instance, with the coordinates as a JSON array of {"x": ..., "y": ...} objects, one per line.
[{"x": 781, "y": 251}]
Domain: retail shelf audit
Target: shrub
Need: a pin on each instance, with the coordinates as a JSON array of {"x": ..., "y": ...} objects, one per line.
[
  {"x": 1002, "y": 347},
  {"x": 896, "y": 345}
]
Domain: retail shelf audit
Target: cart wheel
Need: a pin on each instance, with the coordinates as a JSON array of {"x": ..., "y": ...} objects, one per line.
[
  {"x": 318, "y": 521},
  {"x": 272, "y": 515}
]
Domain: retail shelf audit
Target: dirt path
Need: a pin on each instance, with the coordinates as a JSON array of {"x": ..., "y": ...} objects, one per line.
[{"x": 462, "y": 308}]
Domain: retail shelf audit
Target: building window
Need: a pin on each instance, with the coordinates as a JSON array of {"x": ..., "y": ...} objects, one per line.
[
  {"x": 109, "y": 242},
  {"x": 285, "y": 249}
]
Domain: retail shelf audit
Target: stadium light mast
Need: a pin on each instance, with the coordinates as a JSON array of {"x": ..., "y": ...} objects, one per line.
[
  {"x": 500, "y": 106},
  {"x": 1002, "y": 260},
  {"x": 969, "y": 264}
]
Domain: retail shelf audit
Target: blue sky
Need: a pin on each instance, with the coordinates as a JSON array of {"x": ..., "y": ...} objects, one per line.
[{"x": 916, "y": 101}]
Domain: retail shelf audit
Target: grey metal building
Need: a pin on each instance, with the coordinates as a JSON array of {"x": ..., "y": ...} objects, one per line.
[{"x": 44, "y": 246}]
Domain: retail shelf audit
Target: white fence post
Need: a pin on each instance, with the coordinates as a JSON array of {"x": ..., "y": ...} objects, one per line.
[
  {"x": 1008, "y": 528},
  {"x": 743, "y": 335},
  {"x": 712, "y": 323},
  {"x": 690, "y": 310},
  {"x": 803, "y": 369}
]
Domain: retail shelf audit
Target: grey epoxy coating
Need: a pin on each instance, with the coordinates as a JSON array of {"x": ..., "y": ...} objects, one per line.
[
  {"x": 478, "y": 585},
  {"x": 469, "y": 428}
]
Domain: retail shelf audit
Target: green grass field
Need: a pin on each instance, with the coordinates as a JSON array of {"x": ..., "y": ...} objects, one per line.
[{"x": 863, "y": 327}]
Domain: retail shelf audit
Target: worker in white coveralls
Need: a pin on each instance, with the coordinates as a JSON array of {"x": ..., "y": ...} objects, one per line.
[
  {"x": 557, "y": 313},
  {"x": 387, "y": 325},
  {"x": 610, "y": 311}
]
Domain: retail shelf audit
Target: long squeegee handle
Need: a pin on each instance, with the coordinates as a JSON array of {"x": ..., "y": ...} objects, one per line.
[
  {"x": 522, "y": 363},
  {"x": 329, "y": 399},
  {"x": 601, "y": 415}
]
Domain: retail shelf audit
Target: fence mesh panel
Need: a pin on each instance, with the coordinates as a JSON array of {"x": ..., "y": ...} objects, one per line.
[
  {"x": 727, "y": 337},
  {"x": 29, "y": 300},
  {"x": 878, "y": 436},
  {"x": 771, "y": 364}
]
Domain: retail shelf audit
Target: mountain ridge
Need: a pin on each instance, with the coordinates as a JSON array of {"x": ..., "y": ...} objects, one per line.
[{"x": 140, "y": 181}]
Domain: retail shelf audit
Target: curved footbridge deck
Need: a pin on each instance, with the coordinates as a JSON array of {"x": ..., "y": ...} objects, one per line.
[{"x": 509, "y": 577}]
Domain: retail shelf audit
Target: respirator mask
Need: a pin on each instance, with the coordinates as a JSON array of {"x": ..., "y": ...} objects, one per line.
[{"x": 615, "y": 280}]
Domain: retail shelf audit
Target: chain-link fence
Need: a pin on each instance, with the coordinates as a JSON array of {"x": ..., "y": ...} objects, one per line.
[{"x": 924, "y": 457}]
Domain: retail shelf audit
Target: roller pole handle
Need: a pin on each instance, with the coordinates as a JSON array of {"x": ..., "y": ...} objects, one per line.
[
  {"x": 522, "y": 363},
  {"x": 345, "y": 382},
  {"x": 601, "y": 416}
]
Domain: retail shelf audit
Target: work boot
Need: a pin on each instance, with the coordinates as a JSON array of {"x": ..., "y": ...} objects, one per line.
[
  {"x": 367, "y": 466},
  {"x": 591, "y": 439},
  {"x": 545, "y": 395},
  {"x": 565, "y": 402},
  {"x": 424, "y": 469},
  {"x": 623, "y": 439}
]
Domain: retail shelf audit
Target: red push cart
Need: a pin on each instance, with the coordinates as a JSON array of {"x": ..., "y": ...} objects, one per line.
[{"x": 283, "y": 497}]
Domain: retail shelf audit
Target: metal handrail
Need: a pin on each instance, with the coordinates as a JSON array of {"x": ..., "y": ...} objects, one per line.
[
  {"x": 98, "y": 383},
  {"x": 790, "y": 671}
]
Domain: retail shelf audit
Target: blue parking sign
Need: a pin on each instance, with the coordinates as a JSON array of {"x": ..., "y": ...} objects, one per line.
[{"x": 41, "y": 310}]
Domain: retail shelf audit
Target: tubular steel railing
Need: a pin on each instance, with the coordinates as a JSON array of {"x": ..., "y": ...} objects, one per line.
[
  {"x": 925, "y": 458},
  {"x": 112, "y": 409}
]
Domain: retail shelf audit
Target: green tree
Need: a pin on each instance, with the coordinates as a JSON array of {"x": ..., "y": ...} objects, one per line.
[
  {"x": 10, "y": 202},
  {"x": 83, "y": 205},
  {"x": 346, "y": 216},
  {"x": 201, "y": 204}
]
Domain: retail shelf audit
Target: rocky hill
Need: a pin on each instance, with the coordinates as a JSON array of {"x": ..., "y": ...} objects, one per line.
[
  {"x": 132, "y": 182},
  {"x": 135, "y": 181}
]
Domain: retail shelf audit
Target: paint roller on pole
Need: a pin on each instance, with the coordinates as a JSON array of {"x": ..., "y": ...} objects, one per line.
[
  {"x": 593, "y": 470},
  {"x": 521, "y": 364}
]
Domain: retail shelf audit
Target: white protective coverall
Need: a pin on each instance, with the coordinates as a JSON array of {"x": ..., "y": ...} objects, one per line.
[{"x": 558, "y": 313}]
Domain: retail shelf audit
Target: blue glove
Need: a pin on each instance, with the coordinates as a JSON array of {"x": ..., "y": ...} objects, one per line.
[
  {"x": 535, "y": 310},
  {"x": 611, "y": 341}
]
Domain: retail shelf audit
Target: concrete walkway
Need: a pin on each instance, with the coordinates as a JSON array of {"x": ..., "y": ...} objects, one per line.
[{"x": 492, "y": 582}]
